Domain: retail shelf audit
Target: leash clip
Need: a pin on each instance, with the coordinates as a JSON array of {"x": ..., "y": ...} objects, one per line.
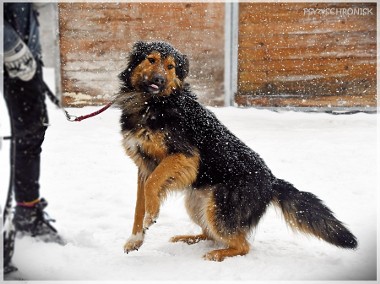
[
  {"x": 70, "y": 117},
  {"x": 73, "y": 118}
]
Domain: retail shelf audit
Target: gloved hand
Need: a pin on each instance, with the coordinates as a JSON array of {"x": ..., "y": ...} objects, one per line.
[{"x": 19, "y": 62}]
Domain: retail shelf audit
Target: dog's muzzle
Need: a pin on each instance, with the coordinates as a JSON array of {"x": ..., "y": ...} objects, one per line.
[{"x": 157, "y": 84}]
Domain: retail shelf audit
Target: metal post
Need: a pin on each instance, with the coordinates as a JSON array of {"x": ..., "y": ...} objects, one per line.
[
  {"x": 231, "y": 51},
  {"x": 58, "y": 86}
]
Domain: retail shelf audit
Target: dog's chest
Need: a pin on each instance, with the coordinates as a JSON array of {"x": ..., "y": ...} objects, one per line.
[
  {"x": 145, "y": 147},
  {"x": 142, "y": 114},
  {"x": 145, "y": 143},
  {"x": 150, "y": 130}
]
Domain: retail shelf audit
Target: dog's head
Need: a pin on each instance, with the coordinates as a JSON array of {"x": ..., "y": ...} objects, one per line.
[{"x": 156, "y": 68}]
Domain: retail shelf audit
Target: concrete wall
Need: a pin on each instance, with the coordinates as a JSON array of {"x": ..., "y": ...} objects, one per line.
[{"x": 49, "y": 33}]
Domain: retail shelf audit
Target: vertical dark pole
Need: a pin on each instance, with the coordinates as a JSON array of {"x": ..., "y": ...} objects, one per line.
[{"x": 9, "y": 231}]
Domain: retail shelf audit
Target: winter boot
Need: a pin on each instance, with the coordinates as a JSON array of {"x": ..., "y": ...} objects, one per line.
[{"x": 35, "y": 222}]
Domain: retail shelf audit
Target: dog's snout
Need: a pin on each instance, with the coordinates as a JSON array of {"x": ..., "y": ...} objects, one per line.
[{"x": 158, "y": 79}]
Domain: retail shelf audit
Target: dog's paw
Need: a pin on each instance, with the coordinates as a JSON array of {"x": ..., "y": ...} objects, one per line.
[
  {"x": 134, "y": 242},
  {"x": 149, "y": 220},
  {"x": 189, "y": 239},
  {"x": 214, "y": 256}
]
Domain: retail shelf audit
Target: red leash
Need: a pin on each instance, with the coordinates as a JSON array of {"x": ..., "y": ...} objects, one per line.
[
  {"x": 73, "y": 118},
  {"x": 69, "y": 117}
]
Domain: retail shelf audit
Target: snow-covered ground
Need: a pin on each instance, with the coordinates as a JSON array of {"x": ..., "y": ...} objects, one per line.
[{"x": 90, "y": 185}]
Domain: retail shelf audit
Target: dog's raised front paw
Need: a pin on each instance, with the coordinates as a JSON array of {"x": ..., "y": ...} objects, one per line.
[{"x": 134, "y": 242}]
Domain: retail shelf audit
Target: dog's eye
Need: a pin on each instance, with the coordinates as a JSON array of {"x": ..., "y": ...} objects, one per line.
[
  {"x": 170, "y": 66},
  {"x": 151, "y": 60}
]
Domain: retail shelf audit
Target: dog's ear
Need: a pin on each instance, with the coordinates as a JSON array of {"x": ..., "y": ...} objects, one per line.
[
  {"x": 124, "y": 78},
  {"x": 138, "y": 54},
  {"x": 182, "y": 69},
  {"x": 139, "y": 47}
]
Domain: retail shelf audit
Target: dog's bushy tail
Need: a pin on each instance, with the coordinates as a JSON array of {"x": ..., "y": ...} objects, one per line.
[{"x": 305, "y": 212}]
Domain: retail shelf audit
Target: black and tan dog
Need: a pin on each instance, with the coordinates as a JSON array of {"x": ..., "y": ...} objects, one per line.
[{"x": 177, "y": 144}]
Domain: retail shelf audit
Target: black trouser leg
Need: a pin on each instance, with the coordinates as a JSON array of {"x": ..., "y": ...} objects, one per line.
[{"x": 28, "y": 116}]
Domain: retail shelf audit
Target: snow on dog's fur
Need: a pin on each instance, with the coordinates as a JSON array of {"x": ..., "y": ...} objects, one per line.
[{"x": 177, "y": 144}]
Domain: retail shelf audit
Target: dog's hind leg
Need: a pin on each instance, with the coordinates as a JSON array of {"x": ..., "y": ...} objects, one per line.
[
  {"x": 176, "y": 171},
  {"x": 237, "y": 244},
  {"x": 137, "y": 238},
  {"x": 196, "y": 201}
]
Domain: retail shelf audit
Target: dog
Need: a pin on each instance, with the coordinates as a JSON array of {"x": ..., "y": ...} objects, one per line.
[{"x": 179, "y": 145}]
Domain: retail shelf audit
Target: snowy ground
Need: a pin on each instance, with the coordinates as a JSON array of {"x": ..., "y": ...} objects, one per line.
[{"x": 90, "y": 185}]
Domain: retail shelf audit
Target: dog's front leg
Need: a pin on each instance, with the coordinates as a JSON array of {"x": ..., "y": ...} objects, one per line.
[
  {"x": 137, "y": 238},
  {"x": 173, "y": 172}
]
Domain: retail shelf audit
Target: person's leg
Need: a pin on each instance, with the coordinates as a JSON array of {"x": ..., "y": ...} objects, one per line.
[{"x": 28, "y": 115}]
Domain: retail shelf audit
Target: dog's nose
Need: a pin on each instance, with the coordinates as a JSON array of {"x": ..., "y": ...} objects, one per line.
[{"x": 158, "y": 79}]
